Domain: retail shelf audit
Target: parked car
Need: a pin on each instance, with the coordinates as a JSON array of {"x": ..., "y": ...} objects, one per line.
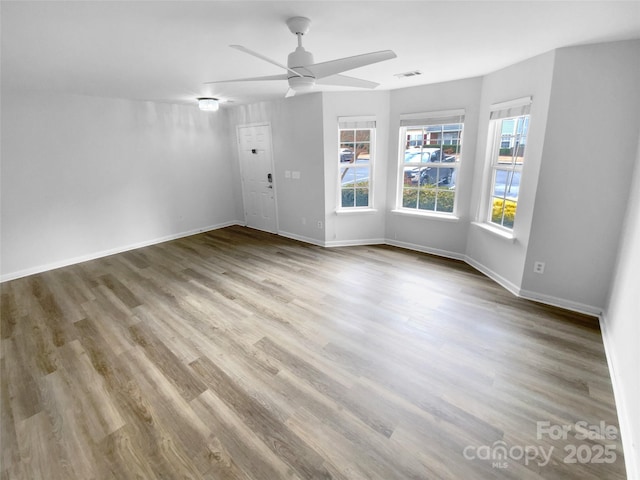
[
  {"x": 430, "y": 173},
  {"x": 346, "y": 155}
]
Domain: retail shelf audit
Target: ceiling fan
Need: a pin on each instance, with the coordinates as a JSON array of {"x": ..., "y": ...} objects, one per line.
[{"x": 303, "y": 74}]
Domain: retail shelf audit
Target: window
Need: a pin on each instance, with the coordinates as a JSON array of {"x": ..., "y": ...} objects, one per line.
[
  {"x": 508, "y": 130},
  {"x": 430, "y": 148},
  {"x": 355, "y": 157}
]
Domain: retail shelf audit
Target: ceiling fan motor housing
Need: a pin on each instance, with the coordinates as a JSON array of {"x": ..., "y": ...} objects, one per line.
[{"x": 297, "y": 61}]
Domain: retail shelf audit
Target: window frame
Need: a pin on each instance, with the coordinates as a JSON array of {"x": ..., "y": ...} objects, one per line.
[
  {"x": 512, "y": 110},
  {"x": 354, "y": 124},
  {"x": 424, "y": 121}
]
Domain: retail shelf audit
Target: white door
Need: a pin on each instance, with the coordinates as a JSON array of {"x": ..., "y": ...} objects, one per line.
[{"x": 258, "y": 185}]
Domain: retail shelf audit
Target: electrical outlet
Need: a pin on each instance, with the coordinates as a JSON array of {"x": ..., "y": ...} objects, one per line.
[
  {"x": 319, "y": 223},
  {"x": 538, "y": 267},
  {"x": 304, "y": 220}
]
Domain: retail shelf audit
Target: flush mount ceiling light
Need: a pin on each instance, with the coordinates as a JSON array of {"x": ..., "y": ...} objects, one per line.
[{"x": 208, "y": 104}]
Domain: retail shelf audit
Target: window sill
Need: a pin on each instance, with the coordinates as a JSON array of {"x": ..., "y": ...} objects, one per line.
[
  {"x": 447, "y": 217},
  {"x": 352, "y": 211},
  {"x": 496, "y": 231}
]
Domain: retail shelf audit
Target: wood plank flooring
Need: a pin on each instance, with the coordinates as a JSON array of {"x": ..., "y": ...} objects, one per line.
[{"x": 237, "y": 354}]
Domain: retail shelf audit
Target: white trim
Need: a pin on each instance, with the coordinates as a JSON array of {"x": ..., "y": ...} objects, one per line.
[
  {"x": 517, "y": 102},
  {"x": 534, "y": 296},
  {"x": 402, "y": 164},
  {"x": 302, "y": 238},
  {"x": 254, "y": 124},
  {"x": 354, "y": 243},
  {"x": 526, "y": 294},
  {"x": 624, "y": 419},
  {"x": 502, "y": 233},
  {"x": 499, "y": 279},
  {"x": 357, "y": 118},
  {"x": 112, "y": 251},
  {"x": 430, "y": 214},
  {"x": 423, "y": 249},
  {"x": 442, "y": 113},
  {"x": 561, "y": 302},
  {"x": 355, "y": 210},
  {"x": 372, "y": 164}
]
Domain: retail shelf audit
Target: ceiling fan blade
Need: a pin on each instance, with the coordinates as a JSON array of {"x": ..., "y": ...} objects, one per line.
[
  {"x": 282, "y": 76},
  {"x": 266, "y": 59},
  {"x": 332, "y": 67},
  {"x": 344, "y": 81},
  {"x": 290, "y": 93}
]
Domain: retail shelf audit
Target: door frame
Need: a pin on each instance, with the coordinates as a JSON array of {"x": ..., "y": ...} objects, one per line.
[{"x": 274, "y": 183}]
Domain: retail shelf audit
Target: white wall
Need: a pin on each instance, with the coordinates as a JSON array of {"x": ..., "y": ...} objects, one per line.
[
  {"x": 355, "y": 227},
  {"x": 621, "y": 329},
  {"x": 297, "y": 131},
  {"x": 86, "y": 176},
  {"x": 429, "y": 233},
  {"x": 588, "y": 157},
  {"x": 503, "y": 259}
]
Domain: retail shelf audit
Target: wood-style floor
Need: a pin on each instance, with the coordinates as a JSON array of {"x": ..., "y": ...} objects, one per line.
[{"x": 237, "y": 354}]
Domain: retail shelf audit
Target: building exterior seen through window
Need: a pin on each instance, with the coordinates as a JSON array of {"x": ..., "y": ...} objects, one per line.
[
  {"x": 429, "y": 163},
  {"x": 356, "y": 166},
  {"x": 507, "y": 161}
]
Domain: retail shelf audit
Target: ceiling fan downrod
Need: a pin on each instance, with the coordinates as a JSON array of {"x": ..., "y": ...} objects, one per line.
[{"x": 300, "y": 57}]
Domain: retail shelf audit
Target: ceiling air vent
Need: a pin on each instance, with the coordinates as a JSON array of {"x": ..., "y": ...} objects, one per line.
[{"x": 412, "y": 73}]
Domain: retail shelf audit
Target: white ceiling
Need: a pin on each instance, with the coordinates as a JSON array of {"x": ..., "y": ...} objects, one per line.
[{"x": 165, "y": 51}]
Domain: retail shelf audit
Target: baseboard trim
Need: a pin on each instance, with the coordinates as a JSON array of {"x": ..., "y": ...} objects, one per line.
[
  {"x": 529, "y": 295},
  {"x": 423, "y": 249},
  {"x": 354, "y": 243},
  {"x": 499, "y": 279},
  {"x": 105, "y": 253},
  {"x": 632, "y": 459},
  {"x": 534, "y": 296},
  {"x": 562, "y": 303},
  {"x": 302, "y": 238}
]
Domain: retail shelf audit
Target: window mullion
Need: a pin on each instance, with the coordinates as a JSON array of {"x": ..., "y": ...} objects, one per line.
[
  {"x": 509, "y": 132},
  {"x": 424, "y": 171}
]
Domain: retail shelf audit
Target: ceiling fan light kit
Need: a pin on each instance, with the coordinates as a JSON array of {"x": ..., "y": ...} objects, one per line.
[
  {"x": 303, "y": 74},
  {"x": 302, "y": 84}
]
